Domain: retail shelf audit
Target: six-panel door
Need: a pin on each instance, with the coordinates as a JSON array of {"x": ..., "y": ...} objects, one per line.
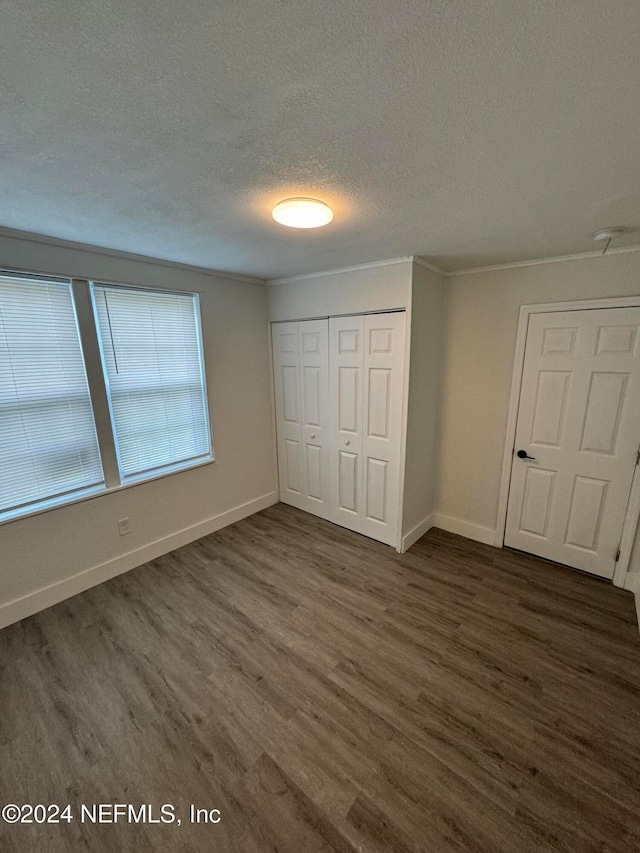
[{"x": 578, "y": 418}]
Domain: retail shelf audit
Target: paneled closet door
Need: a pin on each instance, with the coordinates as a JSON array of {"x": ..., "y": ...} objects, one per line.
[
  {"x": 383, "y": 382},
  {"x": 366, "y": 358},
  {"x": 301, "y": 375},
  {"x": 313, "y": 342},
  {"x": 338, "y": 388},
  {"x": 346, "y": 364},
  {"x": 286, "y": 375}
]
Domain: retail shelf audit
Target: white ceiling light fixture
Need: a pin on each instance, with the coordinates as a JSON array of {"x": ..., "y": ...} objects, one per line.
[{"x": 302, "y": 213}]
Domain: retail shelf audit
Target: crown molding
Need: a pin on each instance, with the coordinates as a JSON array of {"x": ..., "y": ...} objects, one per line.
[
  {"x": 431, "y": 267},
  {"x": 538, "y": 261},
  {"x": 421, "y": 262},
  {"x": 27, "y": 236},
  {"x": 390, "y": 262}
]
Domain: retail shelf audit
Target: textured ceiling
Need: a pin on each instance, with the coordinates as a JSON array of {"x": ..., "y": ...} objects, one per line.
[{"x": 467, "y": 131}]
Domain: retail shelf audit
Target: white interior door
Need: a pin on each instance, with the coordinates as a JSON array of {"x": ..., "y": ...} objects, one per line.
[
  {"x": 366, "y": 361},
  {"x": 286, "y": 375},
  {"x": 301, "y": 378},
  {"x": 313, "y": 342},
  {"x": 346, "y": 364},
  {"x": 579, "y": 424},
  {"x": 382, "y": 426}
]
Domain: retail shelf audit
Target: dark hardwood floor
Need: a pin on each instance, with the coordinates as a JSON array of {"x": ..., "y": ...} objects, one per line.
[{"x": 325, "y": 693}]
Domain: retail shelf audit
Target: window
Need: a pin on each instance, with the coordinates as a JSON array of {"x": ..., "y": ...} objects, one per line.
[
  {"x": 152, "y": 380},
  {"x": 151, "y": 353},
  {"x": 48, "y": 443}
]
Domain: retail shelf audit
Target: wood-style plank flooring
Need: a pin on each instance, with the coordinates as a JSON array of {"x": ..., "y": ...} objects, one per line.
[{"x": 325, "y": 693}]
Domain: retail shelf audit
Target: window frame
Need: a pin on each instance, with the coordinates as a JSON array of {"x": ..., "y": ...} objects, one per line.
[
  {"x": 82, "y": 291},
  {"x": 174, "y": 467}
]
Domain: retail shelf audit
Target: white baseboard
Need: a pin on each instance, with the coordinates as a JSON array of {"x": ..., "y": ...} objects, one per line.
[
  {"x": 416, "y": 533},
  {"x": 464, "y": 528},
  {"x": 32, "y": 603}
]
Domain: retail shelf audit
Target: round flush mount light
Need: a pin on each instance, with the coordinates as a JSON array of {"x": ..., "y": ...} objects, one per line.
[{"x": 302, "y": 213}]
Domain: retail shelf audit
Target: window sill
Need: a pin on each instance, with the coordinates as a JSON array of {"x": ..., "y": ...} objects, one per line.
[{"x": 98, "y": 492}]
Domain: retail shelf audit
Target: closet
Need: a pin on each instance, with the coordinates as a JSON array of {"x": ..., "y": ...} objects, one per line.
[{"x": 339, "y": 402}]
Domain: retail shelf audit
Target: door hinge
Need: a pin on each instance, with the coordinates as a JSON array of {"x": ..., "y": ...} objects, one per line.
[{"x": 617, "y": 555}]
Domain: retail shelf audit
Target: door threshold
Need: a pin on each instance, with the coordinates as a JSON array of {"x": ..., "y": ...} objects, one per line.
[{"x": 561, "y": 565}]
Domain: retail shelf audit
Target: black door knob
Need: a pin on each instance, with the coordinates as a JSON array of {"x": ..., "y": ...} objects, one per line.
[{"x": 522, "y": 454}]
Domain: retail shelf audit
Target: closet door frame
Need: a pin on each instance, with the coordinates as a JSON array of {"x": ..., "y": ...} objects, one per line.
[{"x": 398, "y": 544}]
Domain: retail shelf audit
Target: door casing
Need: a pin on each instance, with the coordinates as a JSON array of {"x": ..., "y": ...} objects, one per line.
[{"x": 633, "y": 507}]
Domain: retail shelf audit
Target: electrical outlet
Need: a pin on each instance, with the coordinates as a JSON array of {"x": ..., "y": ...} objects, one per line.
[{"x": 124, "y": 527}]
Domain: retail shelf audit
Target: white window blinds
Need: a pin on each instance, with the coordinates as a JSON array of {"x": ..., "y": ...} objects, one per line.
[
  {"x": 48, "y": 444},
  {"x": 152, "y": 356}
]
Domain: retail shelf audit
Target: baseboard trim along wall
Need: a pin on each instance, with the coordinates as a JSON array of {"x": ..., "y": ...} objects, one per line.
[
  {"x": 417, "y": 532},
  {"x": 32, "y": 603},
  {"x": 465, "y": 528}
]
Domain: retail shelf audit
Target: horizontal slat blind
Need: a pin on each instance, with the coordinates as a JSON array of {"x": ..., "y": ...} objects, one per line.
[
  {"x": 153, "y": 363},
  {"x": 48, "y": 443}
]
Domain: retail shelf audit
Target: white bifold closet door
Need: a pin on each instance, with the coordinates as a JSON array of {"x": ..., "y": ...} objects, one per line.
[
  {"x": 338, "y": 391},
  {"x": 366, "y": 362},
  {"x": 301, "y": 374}
]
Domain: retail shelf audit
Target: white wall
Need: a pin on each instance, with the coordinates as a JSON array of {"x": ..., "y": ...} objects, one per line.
[
  {"x": 427, "y": 318},
  {"x": 50, "y": 550},
  {"x": 354, "y": 291},
  {"x": 482, "y": 320}
]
